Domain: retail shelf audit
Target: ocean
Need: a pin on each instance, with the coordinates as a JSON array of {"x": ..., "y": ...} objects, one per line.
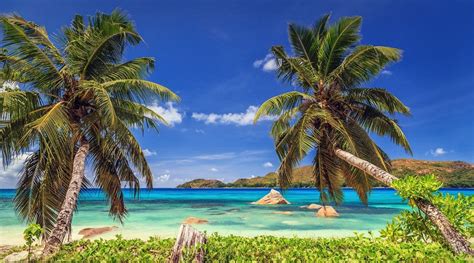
[{"x": 159, "y": 212}]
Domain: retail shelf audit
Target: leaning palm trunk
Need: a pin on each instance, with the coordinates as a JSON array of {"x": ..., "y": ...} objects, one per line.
[
  {"x": 63, "y": 222},
  {"x": 455, "y": 240}
]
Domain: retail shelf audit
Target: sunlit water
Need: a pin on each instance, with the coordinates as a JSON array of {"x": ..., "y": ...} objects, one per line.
[{"x": 159, "y": 212}]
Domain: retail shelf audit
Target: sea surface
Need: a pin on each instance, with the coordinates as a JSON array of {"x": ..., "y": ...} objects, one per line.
[{"x": 159, "y": 212}]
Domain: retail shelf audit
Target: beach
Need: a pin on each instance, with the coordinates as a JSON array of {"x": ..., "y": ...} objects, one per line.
[{"x": 159, "y": 212}]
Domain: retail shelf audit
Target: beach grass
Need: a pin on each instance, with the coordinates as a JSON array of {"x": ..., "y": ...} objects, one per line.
[{"x": 261, "y": 249}]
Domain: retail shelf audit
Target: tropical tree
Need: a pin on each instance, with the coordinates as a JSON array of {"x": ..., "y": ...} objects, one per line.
[
  {"x": 332, "y": 113},
  {"x": 74, "y": 101}
]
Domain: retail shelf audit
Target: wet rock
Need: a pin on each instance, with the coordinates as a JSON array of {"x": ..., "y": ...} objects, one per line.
[
  {"x": 327, "y": 211},
  {"x": 95, "y": 231},
  {"x": 194, "y": 220},
  {"x": 272, "y": 198},
  {"x": 314, "y": 206}
]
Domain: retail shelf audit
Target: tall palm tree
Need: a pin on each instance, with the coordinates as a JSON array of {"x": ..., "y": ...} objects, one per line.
[
  {"x": 75, "y": 102},
  {"x": 332, "y": 113}
]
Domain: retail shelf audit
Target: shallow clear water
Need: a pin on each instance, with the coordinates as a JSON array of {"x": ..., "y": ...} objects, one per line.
[{"x": 159, "y": 212}]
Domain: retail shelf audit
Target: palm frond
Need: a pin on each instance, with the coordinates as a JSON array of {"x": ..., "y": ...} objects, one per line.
[
  {"x": 337, "y": 40},
  {"x": 284, "y": 102},
  {"x": 379, "y": 98},
  {"x": 362, "y": 64}
]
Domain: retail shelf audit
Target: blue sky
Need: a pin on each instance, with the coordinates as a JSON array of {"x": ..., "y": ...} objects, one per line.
[{"x": 212, "y": 53}]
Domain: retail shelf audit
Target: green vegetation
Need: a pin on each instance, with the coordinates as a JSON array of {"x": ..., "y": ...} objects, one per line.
[
  {"x": 332, "y": 110},
  {"x": 74, "y": 99},
  {"x": 414, "y": 225},
  {"x": 202, "y": 183},
  {"x": 31, "y": 234},
  {"x": 260, "y": 249},
  {"x": 452, "y": 174}
]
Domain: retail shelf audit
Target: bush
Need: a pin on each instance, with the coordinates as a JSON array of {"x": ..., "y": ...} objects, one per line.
[
  {"x": 260, "y": 249},
  {"x": 413, "y": 225}
]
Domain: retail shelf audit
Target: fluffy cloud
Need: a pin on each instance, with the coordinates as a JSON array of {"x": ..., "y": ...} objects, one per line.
[
  {"x": 386, "y": 72},
  {"x": 169, "y": 113},
  {"x": 239, "y": 119},
  {"x": 214, "y": 169},
  {"x": 438, "y": 152},
  {"x": 268, "y": 164},
  {"x": 163, "y": 177},
  {"x": 267, "y": 64},
  {"x": 147, "y": 152},
  {"x": 9, "y": 176}
]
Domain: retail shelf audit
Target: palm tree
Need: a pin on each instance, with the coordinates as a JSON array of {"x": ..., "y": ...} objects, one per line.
[
  {"x": 74, "y": 102},
  {"x": 332, "y": 113}
]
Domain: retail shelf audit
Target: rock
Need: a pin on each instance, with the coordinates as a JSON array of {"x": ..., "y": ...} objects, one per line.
[
  {"x": 327, "y": 211},
  {"x": 194, "y": 220},
  {"x": 95, "y": 231},
  {"x": 314, "y": 206},
  {"x": 283, "y": 212},
  {"x": 272, "y": 198},
  {"x": 22, "y": 256}
]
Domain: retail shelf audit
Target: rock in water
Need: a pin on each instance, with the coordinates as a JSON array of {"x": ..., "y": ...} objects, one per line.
[
  {"x": 194, "y": 220},
  {"x": 327, "y": 211},
  {"x": 272, "y": 198},
  {"x": 95, "y": 231},
  {"x": 314, "y": 206}
]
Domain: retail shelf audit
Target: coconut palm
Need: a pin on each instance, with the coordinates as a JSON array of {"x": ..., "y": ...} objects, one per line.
[
  {"x": 332, "y": 113},
  {"x": 75, "y": 100}
]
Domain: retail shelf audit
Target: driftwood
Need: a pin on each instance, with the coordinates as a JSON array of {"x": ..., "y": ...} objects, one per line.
[{"x": 188, "y": 237}]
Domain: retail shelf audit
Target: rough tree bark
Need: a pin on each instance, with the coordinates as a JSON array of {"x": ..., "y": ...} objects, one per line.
[
  {"x": 456, "y": 241},
  {"x": 64, "y": 217},
  {"x": 188, "y": 237}
]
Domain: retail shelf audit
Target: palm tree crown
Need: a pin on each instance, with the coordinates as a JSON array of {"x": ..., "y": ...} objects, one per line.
[
  {"x": 331, "y": 109},
  {"x": 74, "y": 90}
]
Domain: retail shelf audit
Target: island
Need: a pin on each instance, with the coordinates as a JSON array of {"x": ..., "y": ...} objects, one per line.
[{"x": 455, "y": 174}]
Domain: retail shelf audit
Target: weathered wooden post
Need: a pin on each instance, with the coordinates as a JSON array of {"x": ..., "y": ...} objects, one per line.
[{"x": 188, "y": 237}]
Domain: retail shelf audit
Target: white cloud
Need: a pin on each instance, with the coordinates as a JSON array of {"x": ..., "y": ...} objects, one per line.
[
  {"x": 438, "y": 152},
  {"x": 200, "y": 131},
  {"x": 169, "y": 113},
  {"x": 147, "y": 152},
  {"x": 239, "y": 119},
  {"x": 214, "y": 169},
  {"x": 386, "y": 72},
  {"x": 267, "y": 64},
  {"x": 219, "y": 156},
  {"x": 9, "y": 176},
  {"x": 163, "y": 178},
  {"x": 268, "y": 164}
]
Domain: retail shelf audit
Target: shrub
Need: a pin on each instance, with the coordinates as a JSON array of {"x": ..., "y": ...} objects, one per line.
[
  {"x": 261, "y": 249},
  {"x": 414, "y": 225}
]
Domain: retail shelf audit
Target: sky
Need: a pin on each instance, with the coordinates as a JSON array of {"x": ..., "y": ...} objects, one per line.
[{"x": 214, "y": 55}]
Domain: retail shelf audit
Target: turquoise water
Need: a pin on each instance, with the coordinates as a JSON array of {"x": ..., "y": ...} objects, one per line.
[{"x": 159, "y": 212}]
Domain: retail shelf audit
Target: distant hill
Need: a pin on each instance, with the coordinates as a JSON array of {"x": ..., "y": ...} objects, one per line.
[
  {"x": 202, "y": 183},
  {"x": 451, "y": 173}
]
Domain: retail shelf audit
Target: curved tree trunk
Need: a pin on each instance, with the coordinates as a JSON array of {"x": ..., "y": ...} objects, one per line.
[
  {"x": 456, "y": 241},
  {"x": 64, "y": 218}
]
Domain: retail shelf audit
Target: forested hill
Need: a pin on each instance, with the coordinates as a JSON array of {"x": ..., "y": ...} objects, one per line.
[{"x": 451, "y": 173}]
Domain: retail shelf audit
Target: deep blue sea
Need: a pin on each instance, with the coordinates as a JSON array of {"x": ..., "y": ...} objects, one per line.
[{"x": 159, "y": 212}]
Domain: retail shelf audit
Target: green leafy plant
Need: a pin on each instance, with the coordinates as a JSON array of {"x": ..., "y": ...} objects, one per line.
[
  {"x": 417, "y": 187},
  {"x": 412, "y": 226},
  {"x": 359, "y": 248},
  {"x": 31, "y": 234}
]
